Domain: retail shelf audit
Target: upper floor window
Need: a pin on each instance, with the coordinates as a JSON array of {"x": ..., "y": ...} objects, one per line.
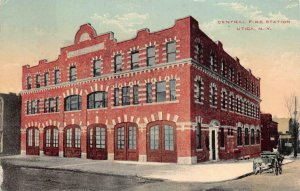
[
  {"x": 72, "y": 73},
  {"x": 149, "y": 92},
  {"x": 224, "y": 100},
  {"x": 231, "y": 100},
  {"x": 199, "y": 93},
  {"x": 72, "y": 103},
  {"x": 231, "y": 73},
  {"x": 116, "y": 96},
  {"x": 38, "y": 81},
  {"x": 97, "y": 100},
  {"x": 28, "y": 107},
  {"x": 161, "y": 91},
  {"x": 96, "y": 68},
  {"x": 134, "y": 60},
  {"x": 213, "y": 92},
  {"x": 135, "y": 94},
  {"x": 223, "y": 68},
  {"x": 56, "y": 76},
  {"x": 33, "y": 106},
  {"x": 199, "y": 53},
  {"x": 199, "y": 136},
  {"x": 239, "y": 136},
  {"x": 171, "y": 51},
  {"x": 46, "y": 79},
  {"x": 45, "y": 105},
  {"x": 150, "y": 56},
  {"x": 126, "y": 95},
  {"x": 239, "y": 78},
  {"x": 118, "y": 63},
  {"x": 237, "y": 105},
  {"x": 51, "y": 105},
  {"x": 57, "y": 104},
  {"x": 252, "y": 137},
  {"x": 252, "y": 87},
  {"x": 172, "y": 90},
  {"x": 29, "y": 82},
  {"x": 212, "y": 62},
  {"x": 257, "y": 90}
]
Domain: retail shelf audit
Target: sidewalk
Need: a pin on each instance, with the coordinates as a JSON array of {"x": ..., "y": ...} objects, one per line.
[{"x": 203, "y": 172}]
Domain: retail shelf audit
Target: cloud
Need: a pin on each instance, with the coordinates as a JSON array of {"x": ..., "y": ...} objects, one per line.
[
  {"x": 3, "y": 2},
  {"x": 292, "y": 4},
  {"x": 125, "y": 24}
]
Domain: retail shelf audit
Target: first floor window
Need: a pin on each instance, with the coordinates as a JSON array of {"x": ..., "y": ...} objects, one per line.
[
  {"x": 132, "y": 137},
  {"x": 116, "y": 96},
  {"x": 199, "y": 134},
  {"x": 55, "y": 137},
  {"x": 239, "y": 136},
  {"x": 126, "y": 95},
  {"x": 172, "y": 90},
  {"x": 149, "y": 92},
  {"x": 73, "y": 103},
  {"x": 257, "y": 136},
  {"x": 252, "y": 137},
  {"x": 154, "y": 137},
  {"x": 77, "y": 138},
  {"x": 169, "y": 138},
  {"x": 222, "y": 137},
  {"x": 97, "y": 100},
  {"x": 246, "y": 136},
  {"x": 45, "y": 105},
  {"x": 121, "y": 137},
  {"x": 69, "y": 137},
  {"x": 135, "y": 94},
  {"x": 100, "y": 137},
  {"x": 161, "y": 91}
]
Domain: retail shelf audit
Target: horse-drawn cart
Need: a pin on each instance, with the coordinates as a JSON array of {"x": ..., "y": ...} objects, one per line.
[{"x": 268, "y": 161}]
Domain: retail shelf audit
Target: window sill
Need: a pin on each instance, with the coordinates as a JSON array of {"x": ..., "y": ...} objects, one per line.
[
  {"x": 212, "y": 106},
  {"x": 240, "y": 146},
  {"x": 222, "y": 148},
  {"x": 162, "y": 102},
  {"x": 50, "y": 113},
  {"x": 197, "y": 102},
  {"x": 95, "y": 109},
  {"x": 73, "y": 111},
  {"x": 124, "y": 106},
  {"x": 199, "y": 150}
]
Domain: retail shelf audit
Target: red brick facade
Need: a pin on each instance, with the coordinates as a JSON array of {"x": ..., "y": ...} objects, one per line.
[
  {"x": 269, "y": 133},
  {"x": 199, "y": 99}
]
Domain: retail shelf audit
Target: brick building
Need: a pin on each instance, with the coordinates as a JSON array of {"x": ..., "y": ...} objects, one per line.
[
  {"x": 10, "y": 123},
  {"x": 168, "y": 96},
  {"x": 269, "y": 132}
]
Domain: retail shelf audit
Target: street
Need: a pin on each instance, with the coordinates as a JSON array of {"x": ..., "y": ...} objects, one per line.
[{"x": 20, "y": 178}]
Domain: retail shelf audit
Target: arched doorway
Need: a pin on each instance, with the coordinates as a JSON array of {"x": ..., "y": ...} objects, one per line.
[
  {"x": 72, "y": 141},
  {"x": 213, "y": 140},
  {"x": 33, "y": 141},
  {"x": 96, "y": 142},
  {"x": 161, "y": 141},
  {"x": 51, "y": 141},
  {"x": 126, "y": 136}
]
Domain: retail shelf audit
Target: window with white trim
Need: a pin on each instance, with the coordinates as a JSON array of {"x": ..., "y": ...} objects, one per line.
[
  {"x": 150, "y": 56},
  {"x": 149, "y": 92},
  {"x": 97, "y": 100},
  {"x": 72, "y": 73},
  {"x": 29, "y": 82},
  {"x": 134, "y": 59},
  {"x": 172, "y": 90},
  {"x": 171, "y": 51},
  {"x": 38, "y": 81},
  {"x": 161, "y": 91},
  {"x": 126, "y": 95},
  {"x": 118, "y": 63},
  {"x": 96, "y": 67}
]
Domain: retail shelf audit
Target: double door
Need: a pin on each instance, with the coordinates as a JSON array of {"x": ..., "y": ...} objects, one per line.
[
  {"x": 72, "y": 142},
  {"x": 97, "y": 147},
  {"x": 51, "y": 141},
  {"x": 33, "y": 141}
]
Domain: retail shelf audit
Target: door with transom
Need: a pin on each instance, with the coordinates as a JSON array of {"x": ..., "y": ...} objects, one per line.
[
  {"x": 126, "y": 136},
  {"x": 161, "y": 142},
  {"x": 96, "y": 141},
  {"x": 72, "y": 141},
  {"x": 51, "y": 141},
  {"x": 33, "y": 141}
]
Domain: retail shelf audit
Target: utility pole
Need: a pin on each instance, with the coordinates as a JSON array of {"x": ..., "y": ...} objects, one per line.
[{"x": 295, "y": 129}]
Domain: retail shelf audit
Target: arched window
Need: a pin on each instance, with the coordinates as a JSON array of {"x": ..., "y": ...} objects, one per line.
[
  {"x": 257, "y": 136},
  {"x": 252, "y": 136},
  {"x": 239, "y": 136},
  {"x": 72, "y": 103},
  {"x": 97, "y": 100},
  {"x": 246, "y": 136},
  {"x": 29, "y": 82},
  {"x": 72, "y": 73},
  {"x": 46, "y": 79}
]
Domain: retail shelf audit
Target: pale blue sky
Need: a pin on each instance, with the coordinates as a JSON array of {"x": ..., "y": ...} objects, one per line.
[{"x": 33, "y": 30}]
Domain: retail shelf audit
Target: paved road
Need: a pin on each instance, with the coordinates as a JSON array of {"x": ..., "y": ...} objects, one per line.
[{"x": 40, "y": 179}]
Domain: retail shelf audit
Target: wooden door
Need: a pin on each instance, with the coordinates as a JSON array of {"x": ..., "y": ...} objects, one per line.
[
  {"x": 33, "y": 140},
  {"x": 161, "y": 142},
  {"x": 72, "y": 142},
  {"x": 126, "y": 136},
  {"x": 96, "y": 142},
  {"x": 51, "y": 141},
  {"x": 213, "y": 144}
]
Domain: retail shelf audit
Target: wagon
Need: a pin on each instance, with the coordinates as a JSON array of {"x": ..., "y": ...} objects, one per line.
[{"x": 268, "y": 161}]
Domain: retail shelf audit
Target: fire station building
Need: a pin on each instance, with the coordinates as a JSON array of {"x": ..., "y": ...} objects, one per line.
[{"x": 173, "y": 95}]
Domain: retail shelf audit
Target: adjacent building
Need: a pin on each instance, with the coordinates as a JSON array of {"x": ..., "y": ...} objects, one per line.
[
  {"x": 172, "y": 95},
  {"x": 269, "y": 132},
  {"x": 10, "y": 123}
]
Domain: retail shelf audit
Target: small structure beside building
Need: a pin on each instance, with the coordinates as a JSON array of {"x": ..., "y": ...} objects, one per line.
[
  {"x": 269, "y": 132},
  {"x": 285, "y": 145},
  {"x": 10, "y": 122}
]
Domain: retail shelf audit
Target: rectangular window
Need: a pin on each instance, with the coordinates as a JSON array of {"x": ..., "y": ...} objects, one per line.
[
  {"x": 46, "y": 79},
  {"x": 121, "y": 138},
  {"x": 239, "y": 136},
  {"x": 72, "y": 73},
  {"x": 169, "y": 138},
  {"x": 126, "y": 95},
  {"x": 231, "y": 103},
  {"x": 38, "y": 106},
  {"x": 38, "y": 81},
  {"x": 97, "y": 100},
  {"x": 161, "y": 91},
  {"x": 223, "y": 100},
  {"x": 198, "y": 138},
  {"x": 135, "y": 94},
  {"x": 55, "y": 137},
  {"x": 77, "y": 138},
  {"x": 134, "y": 60},
  {"x": 97, "y": 68},
  {"x": 150, "y": 56},
  {"x": 69, "y": 137},
  {"x": 171, "y": 51},
  {"x": 45, "y": 106},
  {"x": 132, "y": 137},
  {"x": 51, "y": 105},
  {"x": 149, "y": 92},
  {"x": 246, "y": 136},
  {"x": 48, "y": 136},
  {"x": 100, "y": 137},
  {"x": 199, "y": 53},
  {"x": 36, "y": 138},
  {"x": 213, "y": 96},
  {"x": 118, "y": 63},
  {"x": 154, "y": 137},
  {"x": 56, "y": 76},
  {"x": 57, "y": 104},
  {"x": 29, "y": 137},
  {"x": 33, "y": 107},
  {"x": 252, "y": 136},
  {"x": 172, "y": 90},
  {"x": 116, "y": 96},
  {"x": 29, "y": 81}
]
